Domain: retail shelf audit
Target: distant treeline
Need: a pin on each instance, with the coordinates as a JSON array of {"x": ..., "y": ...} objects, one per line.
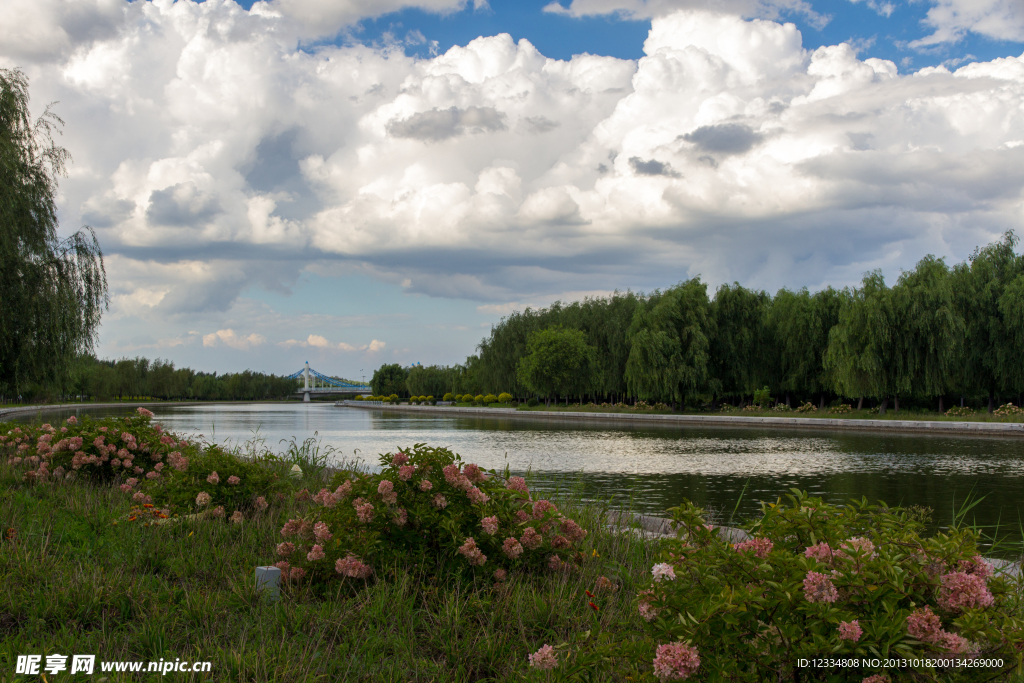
[
  {"x": 939, "y": 334},
  {"x": 130, "y": 378}
]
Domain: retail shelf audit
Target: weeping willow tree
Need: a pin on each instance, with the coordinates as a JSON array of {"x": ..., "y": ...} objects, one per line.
[{"x": 52, "y": 291}]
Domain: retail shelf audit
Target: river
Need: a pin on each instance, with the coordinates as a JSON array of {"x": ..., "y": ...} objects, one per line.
[{"x": 651, "y": 468}]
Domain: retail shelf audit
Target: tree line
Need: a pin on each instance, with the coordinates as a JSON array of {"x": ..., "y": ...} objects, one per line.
[
  {"x": 938, "y": 334},
  {"x": 133, "y": 378}
]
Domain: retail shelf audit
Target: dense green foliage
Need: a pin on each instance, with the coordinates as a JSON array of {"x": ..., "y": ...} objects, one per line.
[
  {"x": 53, "y": 291},
  {"x": 141, "y": 377},
  {"x": 937, "y": 335},
  {"x": 844, "y": 581},
  {"x": 557, "y": 362}
]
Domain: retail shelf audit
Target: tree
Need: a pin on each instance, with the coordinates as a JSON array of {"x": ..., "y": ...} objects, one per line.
[
  {"x": 992, "y": 362},
  {"x": 558, "y": 363},
  {"x": 389, "y": 379},
  {"x": 739, "y": 348},
  {"x": 669, "y": 340},
  {"x": 934, "y": 329},
  {"x": 799, "y": 324},
  {"x": 868, "y": 348},
  {"x": 53, "y": 291}
]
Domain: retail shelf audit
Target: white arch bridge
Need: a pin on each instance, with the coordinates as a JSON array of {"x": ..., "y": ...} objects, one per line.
[{"x": 316, "y": 384}]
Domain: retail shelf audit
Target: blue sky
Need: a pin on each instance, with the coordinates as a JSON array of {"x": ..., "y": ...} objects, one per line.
[
  {"x": 876, "y": 30},
  {"x": 291, "y": 180}
]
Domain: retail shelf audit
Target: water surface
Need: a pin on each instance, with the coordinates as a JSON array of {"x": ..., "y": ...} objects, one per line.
[{"x": 654, "y": 467}]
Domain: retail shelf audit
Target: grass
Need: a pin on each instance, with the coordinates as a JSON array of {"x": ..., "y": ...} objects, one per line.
[{"x": 76, "y": 582}]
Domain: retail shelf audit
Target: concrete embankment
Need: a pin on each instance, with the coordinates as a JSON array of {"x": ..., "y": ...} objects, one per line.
[{"x": 1015, "y": 429}]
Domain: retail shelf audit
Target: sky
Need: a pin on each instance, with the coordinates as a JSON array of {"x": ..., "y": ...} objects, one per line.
[{"x": 359, "y": 182}]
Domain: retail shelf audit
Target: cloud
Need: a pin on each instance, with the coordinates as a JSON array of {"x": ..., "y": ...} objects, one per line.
[
  {"x": 725, "y": 138},
  {"x": 216, "y": 160},
  {"x": 441, "y": 124},
  {"x": 951, "y": 20},
  {"x": 229, "y": 338},
  {"x": 319, "y": 342},
  {"x": 652, "y": 167},
  {"x": 884, "y": 9}
]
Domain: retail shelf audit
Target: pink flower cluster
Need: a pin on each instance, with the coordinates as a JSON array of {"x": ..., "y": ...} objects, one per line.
[
  {"x": 858, "y": 546},
  {"x": 821, "y": 552},
  {"x": 326, "y": 498},
  {"x": 850, "y": 630},
  {"x": 544, "y": 658},
  {"x": 177, "y": 461},
  {"x": 399, "y": 459},
  {"x": 512, "y": 548},
  {"x": 474, "y": 473},
  {"x": 760, "y": 547},
  {"x": 405, "y": 472},
  {"x": 315, "y": 553},
  {"x": 214, "y": 478},
  {"x": 517, "y": 484},
  {"x": 573, "y": 531},
  {"x": 455, "y": 478},
  {"x": 542, "y": 507},
  {"x": 364, "y": 510},
  {"x": 472, "y": 553},
  {"x": 262, "y": 504},
  {"x": 386, "y": 489},
  {"x": 401, "y": 517},
  {"x": 531, "y": 539},
  {"x": 490, "y": 525},
  {"x": 322, "y": 532},
  {"x": 236, "y": 517},
  {"x": 476, "y": 496},
  {"x": 440, "y": 502},
  {"x": 675, "y": 661},
  {"x": 425, "y": 485},
  {"x": 925, "y": 626},
  {"x": 352, "y": 567},
  {"x": 285, "y": 548},
  {"x": 962, "y": 591},
  {"x": 203, "y": 499},
  {"x": 299, "y": 528},
  {"x": 234, "y": 481},
  {"x": 140, "y": 410},
  {"x": 819, "y": 588},
  {"x": 976, "y": 566},
  {"x": 663, "y": 571}
]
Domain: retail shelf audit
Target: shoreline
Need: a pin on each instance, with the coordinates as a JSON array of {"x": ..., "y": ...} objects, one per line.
[
  {"x": 6, "y": 412},
  {"x": 824, "y": 423}
]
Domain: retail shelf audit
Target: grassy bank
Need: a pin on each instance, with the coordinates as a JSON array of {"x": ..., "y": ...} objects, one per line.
[{"x": 78, "y": 577}]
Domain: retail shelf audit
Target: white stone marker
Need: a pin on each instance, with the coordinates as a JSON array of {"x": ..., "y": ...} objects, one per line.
[{"x": 269, "y": 580}]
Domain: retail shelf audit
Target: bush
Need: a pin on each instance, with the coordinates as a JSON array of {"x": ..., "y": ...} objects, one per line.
[
  {"x": 428, "y": 399},
  {"x": 449, "y": 397},
  {"x": 395, "y": 399},
  {"x": 807, "y": 407},
  {"x": 957, "y": 411},
  {"x": 359, "y": 397},
  {"x": 782, "y": 408},
  {"x": 489, "y": 399},
  {"x": 479, "y": 398},
  {"x": 847, "y": 581},
  {"x": 841, "y": 409},
  {"x": 762, "y": 397},
  {"x": 505, "y": 397},
  {"x": 425, "y": 504},
  {"x": 532, "y": 402},
  {"x": 1007, "y": 410},
  {"x": 102, "y": 450}
]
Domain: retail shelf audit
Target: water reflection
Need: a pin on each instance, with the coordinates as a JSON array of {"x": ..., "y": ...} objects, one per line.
[{"x": 655, "y": 467}]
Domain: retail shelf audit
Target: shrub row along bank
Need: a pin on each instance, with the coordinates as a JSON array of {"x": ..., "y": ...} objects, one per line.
[{"x": 428, "y": 530}]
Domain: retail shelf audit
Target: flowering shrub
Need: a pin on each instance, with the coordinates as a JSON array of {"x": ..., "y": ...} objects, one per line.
[
  {"x": 841, "y": 409},
  {"x": 821, "y": 580},
  {"x": 426, "y": 502},
  {"x": 219, "y": 484},
  {"x": 1007, "y": 410},
  {"x": 807, "y": 407},
  {"x": 127, "y": 447},
  {"x": 958, "y": 411}
]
